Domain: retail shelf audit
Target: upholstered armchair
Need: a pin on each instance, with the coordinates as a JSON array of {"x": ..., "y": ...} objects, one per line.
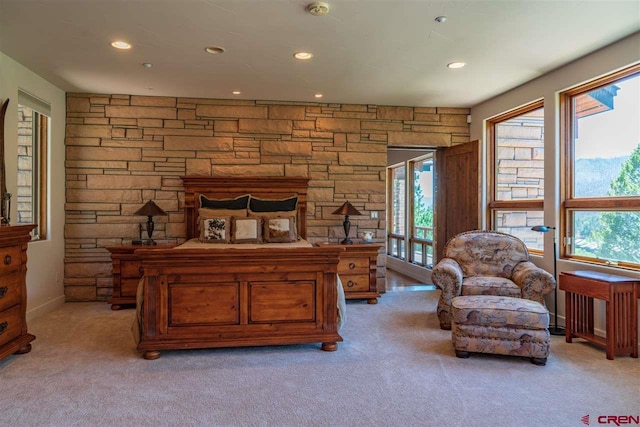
[{"x": 487, "y": 263}]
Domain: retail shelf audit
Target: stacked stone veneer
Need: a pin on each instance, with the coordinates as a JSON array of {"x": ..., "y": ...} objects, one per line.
[
  {"x": 123, "y": 150},
  {"x": 520, "y": 166}
]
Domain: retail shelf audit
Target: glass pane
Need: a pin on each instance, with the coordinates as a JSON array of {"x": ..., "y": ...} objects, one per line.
[
  {"x": 519, "y": 223},
  {"x": 25, "y": 196},
  {"x": 423, "y": 199},
  {"x": 612, "y": 235},
  {"x": 418, "y": 249},
  {"x": 607, "y": 140},
  {"x": 398, "y": 211},
  {"x": 520, "y": 157}
]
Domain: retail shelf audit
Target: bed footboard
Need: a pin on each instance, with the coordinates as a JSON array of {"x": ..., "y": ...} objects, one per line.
[{"x": 207, "y": 298}]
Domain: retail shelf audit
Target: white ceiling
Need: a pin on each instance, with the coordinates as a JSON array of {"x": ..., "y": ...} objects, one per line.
[{"x": 385, "y": 52}]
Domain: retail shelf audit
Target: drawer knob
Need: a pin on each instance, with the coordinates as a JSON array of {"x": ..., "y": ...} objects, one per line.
[
  {"x": 352, "y": 265},
  {"x": 3, "y": 291},
  {"x": 3, "y": 327},
  {"x": 350, "y": 284},
  {"x": 7, "y": 259},
  {"x": 141, "y": 270}
]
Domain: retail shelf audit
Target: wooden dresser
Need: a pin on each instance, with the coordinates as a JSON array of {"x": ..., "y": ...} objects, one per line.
[
  {"x": 14, "y": 337},
  {"x": 358, "y": 270},
  {"x": 127, "y": 272}
]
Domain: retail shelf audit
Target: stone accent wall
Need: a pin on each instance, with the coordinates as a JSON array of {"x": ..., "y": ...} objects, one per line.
[
  {"x": 520, "y": 154},
  {"x": 122, "y": 150}
]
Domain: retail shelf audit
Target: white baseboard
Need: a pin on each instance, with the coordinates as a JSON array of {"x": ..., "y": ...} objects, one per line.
[
  {"x": 421, "y": 274},
  {"x": 45, "y": 308}
]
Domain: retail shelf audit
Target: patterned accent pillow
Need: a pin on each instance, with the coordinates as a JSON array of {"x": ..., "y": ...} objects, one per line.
[
  {"x": 204, "y": 213},
  {"x": 215, "y": 230},
  {"x": 246, "y": 230},
  {"x": 280, "y": 229},
  {"x": 285, "y": 214},
  {"x": 239, "y": 203}
]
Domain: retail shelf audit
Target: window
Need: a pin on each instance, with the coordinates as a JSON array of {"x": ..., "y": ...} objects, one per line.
[
  {"x": 33, "y": 141},
  {"x": 601, "y": 192},
  {"x": 397, "y": 217},
  {"x": 422, "y": 203},
  {"x": 517, "y": 178},
  {"x": 412, "y": 209}
]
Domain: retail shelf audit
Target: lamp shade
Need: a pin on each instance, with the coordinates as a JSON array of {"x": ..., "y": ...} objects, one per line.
[
  {"x": 150, "y": 209},
  {"x": 347, "y": 209}
]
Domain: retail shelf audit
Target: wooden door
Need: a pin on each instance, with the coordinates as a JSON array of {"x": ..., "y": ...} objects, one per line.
[{"x": 457, "y": 192}]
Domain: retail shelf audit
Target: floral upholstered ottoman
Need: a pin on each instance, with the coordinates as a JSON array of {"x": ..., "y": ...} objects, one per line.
[{"x": 500, "y": 325}]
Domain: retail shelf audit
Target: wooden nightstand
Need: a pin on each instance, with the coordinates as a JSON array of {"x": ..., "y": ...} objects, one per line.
[
  {"x": 127, "y": 272},
  {"x": 357, "y": 269}
]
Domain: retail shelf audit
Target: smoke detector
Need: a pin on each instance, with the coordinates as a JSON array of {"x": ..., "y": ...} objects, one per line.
[{"x": 318, "y": 8}]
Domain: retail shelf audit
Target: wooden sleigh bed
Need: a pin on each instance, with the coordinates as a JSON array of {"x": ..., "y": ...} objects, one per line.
[{"x": 245, "y": 296}]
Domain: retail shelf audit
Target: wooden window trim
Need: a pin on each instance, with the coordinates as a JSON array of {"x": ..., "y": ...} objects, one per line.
[
  {"x": 42, "y": 178},
  {"x": 567, "y": 160},
  {"x": 494, "y": 204}
]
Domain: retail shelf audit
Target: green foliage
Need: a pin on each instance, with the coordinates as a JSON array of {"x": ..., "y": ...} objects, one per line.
[
  {"x": 422, "y": 214},
  {"x": 619, "y": 232}
]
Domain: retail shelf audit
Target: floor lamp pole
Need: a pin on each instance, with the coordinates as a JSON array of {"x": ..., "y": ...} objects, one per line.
[{"x": 555, "y": 330}]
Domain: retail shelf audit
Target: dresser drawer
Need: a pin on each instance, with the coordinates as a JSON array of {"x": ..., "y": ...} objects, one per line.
[
  {"x": 10, "y": 258},
  {"x": 10, "y": 324},
  {"x": 129, "y": 287},
  {"x": 349, "y": 265},
  {"x": 355, "y": 282},
  {"x": 10, "y": 289},
  {"x": 130, "y": 269}
]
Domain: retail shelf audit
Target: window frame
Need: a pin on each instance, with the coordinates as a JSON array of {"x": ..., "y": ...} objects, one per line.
[
  {"x": 570, "y": 203},
  {"x": 493, "y": 204},
  {"x": 401, "y": 246},
  {"x": 40, "y": 135}
]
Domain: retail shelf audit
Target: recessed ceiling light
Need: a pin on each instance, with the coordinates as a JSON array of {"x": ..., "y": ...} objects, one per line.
[
  {"x": 441, "y": 19},
  {"x": 303, "y": 55},
  {"x": 119, "y": 44},
  {"x": 318, "y": 95},
  {"x": 236, "y": 92},
  {"x": 214, "y": 50},
  {"x": 147, "y": 65},
  {"x": 456, "y": 64}
]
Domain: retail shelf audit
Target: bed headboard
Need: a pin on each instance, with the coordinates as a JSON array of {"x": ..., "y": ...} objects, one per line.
[{"x": 225, "y": 187}]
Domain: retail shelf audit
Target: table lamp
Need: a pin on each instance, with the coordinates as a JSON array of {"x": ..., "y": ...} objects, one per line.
[
  {"x": 555, "y": 330},
  {"x": 346, "y": 209},
  {"x": 150, "y": 209}
]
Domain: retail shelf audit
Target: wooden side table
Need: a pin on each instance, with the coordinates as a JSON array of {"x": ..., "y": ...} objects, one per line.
[
  {"x": 621, "y": 296},
  {"x": 127, "y": 271},
  {"x": 358, "y": 269}
]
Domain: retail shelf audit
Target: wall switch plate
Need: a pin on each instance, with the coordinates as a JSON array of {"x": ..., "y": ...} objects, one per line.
[{"x": 374, "y": 214}]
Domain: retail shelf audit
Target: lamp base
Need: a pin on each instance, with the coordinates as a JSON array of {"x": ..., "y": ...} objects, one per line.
[
  {"x": 149, "y": 242},
  {"x": 347, "y": 241},
  {"x": 556, "y": 330}
]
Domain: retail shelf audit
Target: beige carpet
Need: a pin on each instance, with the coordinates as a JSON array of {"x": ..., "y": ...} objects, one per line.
[{"x": 395, "y": 368}]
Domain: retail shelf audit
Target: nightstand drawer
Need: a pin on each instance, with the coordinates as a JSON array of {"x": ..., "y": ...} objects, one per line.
[
  {"x": 350, "y": 265},
  {"x": 131, "y": 269},
  {"x": 10, "y": 324},
  {"x": 10, "y": 258},
  {"x": 355, "y": 282},
  {"x": 10, "y": 289}
]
